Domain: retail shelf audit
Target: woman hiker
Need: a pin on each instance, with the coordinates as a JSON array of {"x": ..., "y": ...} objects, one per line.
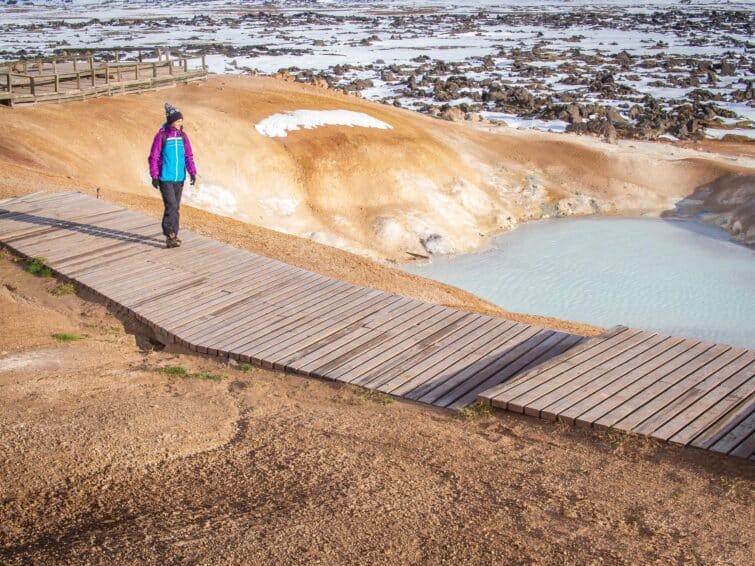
[{"x": 169, "y": 160}]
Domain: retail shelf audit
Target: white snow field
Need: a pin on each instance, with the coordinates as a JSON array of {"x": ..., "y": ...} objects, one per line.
[{"x": 278, "y": 125}]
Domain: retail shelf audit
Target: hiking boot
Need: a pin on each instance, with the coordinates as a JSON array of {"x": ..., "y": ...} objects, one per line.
[{"x": 172, "y": 242}]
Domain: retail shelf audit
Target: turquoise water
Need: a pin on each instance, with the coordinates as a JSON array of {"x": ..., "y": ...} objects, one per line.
[{"x": 675, "y": 276}]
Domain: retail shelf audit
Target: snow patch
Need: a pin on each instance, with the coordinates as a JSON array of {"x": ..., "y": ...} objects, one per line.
[
  {"x": 280, "y": 206},
  {"x": 212, "y": 198},
  {"x": 277, "y": 125}
]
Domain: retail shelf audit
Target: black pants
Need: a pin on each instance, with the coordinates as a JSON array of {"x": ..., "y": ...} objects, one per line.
[{"x": 172, "y": 200}]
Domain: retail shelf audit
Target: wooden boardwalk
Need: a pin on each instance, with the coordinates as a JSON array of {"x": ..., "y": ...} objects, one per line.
[
  {"x": 78, "y": 77},
  {"x": 218, "y": 300},
  {"x": 673, "y": 389}
]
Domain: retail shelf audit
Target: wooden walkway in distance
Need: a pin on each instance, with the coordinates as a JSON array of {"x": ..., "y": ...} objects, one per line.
[
  {"x": 673, "y": 389},
  {"x": 216, "y": 299}
]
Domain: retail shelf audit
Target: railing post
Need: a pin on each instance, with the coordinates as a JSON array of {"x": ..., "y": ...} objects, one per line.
[
  {"x": 10, "y": 82},
  {"x": 57, "y": 82},
  {"x": 204, "y": 65},
  {"x": 78, "y": 80},
  {"x": 91, "y": 70},
  {"x": 137, "y": 70},
  {"x": 154, "y": 69},
  {"x": 170, "y": 67},
  {"x": 75, "y": 64},
  {"x": 118, "y": 71},
  {"x": 32, "y": 86},
  {"x": 186, "y": 65},
  {"x": 107, "y": 73}
]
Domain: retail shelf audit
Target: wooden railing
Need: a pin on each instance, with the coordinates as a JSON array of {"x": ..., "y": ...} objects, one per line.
[{"x": 85, "y": 71}]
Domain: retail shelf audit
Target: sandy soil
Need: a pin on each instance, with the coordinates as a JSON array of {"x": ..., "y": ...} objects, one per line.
[{"x": 104, "y": 457}]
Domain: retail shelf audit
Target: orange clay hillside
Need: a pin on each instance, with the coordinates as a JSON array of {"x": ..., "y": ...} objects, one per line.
[{"x": 421, "y": 186}]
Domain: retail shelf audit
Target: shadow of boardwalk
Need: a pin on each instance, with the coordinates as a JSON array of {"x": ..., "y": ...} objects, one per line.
[{"x": 88, "y": 229}]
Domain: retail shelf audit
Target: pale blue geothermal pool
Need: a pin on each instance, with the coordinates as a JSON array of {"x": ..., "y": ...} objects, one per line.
[{"x": 674, "y": 276}]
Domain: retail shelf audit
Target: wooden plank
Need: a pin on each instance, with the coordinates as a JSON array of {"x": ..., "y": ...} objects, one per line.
[
  {"x": 268, "y": 329},
  {"x": 325, "y": 322},
  {"x": 287, "y": 277},
  {"x": 148, "y": 279},
  {"x": 122, "y": 273},
  {"x": 216, "y": 316},
  {"x": 126, "y": 287},
  {"x": 634, "y": 397},
  {"x": 160, "y": 287},
  {"x": 97, "y": 258},
  {"x": 474, "y": 371},
  {"x": 215, "y": 312},
  {"x": 499, "y": 390},
  {"x": 103, "y": 251},
  {"x": 723, "y": 424},
  {"x": 555, "y": 345},
  {"x": 740, "y": 434},
  {"x": 582, "y": 374},
  {"x": 519, "y": 395},
  {"x": 659, "y": 395},
  {"x": 642, "y": 348},
  {"x": 221, "y": 283},
  {"x": 600, "y": 399},
  {"x": 353, "y": 355},
  {"x": 253, "y": 304},
  {"x": 222, "y": 330},
  {"x": 322, "y": 341},
  {"x": 67, "y": 243},
  {"x": 370, "y": 331},
  {"x": 52, "y": 230},
  {"x": 145, "y": 255},
  {"x": 745, "y": 449},
  {"x": 54, "y": 204},
  {"x": 256, "y": 326},
  {"x": 39, "y": 201},
  {"x": 285, "y": 327},
  {"x": 707, "y": 411},
  {"x": 21, "y": 224},
  {"x": 631, "y": 387},
  {"x": 128, "y": 230},
  {"x": 392, "y": 371},
  {"x": 417, "y": 338},
  {"x": 424, "y": 368},
  {"x": 520, "y": 356},
  {"x": 32, "y": 197},
  {"x": 704, "y": 392}
]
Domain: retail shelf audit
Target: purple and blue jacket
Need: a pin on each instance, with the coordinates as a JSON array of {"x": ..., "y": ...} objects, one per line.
[{"x": 171, "y": 156}]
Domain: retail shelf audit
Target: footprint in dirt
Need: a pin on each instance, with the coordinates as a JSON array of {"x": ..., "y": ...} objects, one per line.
[{"x": 236, "y": 386}]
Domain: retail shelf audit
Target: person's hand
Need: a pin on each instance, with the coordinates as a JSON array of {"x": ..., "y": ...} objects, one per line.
[
  {"x": 156, "y": 183},
  {"x": 193, "y": 179}
]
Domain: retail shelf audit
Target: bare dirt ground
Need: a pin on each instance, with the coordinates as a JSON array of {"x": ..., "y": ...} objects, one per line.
[{"x": 105, "y": 457}]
